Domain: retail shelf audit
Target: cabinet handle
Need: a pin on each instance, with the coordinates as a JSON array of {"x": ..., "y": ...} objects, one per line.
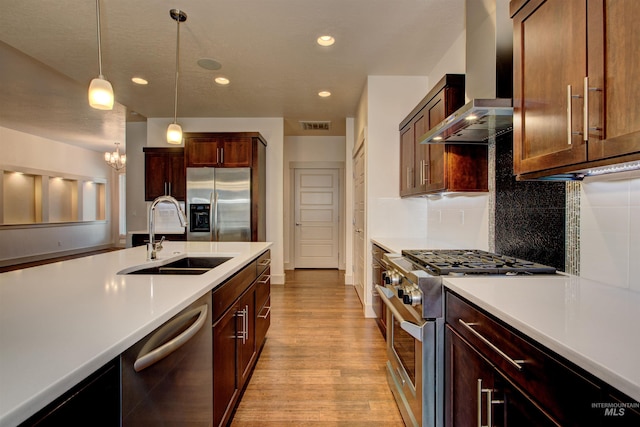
[
  {"x": 489, "y": 393},
  {"x": 515, "y": 363},
  {"x": 169, "y": 193},
  {"x": 244, "y": 314},
  {"x": 570, "y": 132},
  {"x": 408, "y": 177},
  {"x": 265, "y": 262},
  {"x": 585, "y": 111},
  {"x": 266, "y": 314},
  {"x": 148, "y": 357},
  {"x": 425, "y": 173},
  {"x": 217, "y": 155},
  {"x": 222, "y": 155},
  {"x": 266, "y": 279}
]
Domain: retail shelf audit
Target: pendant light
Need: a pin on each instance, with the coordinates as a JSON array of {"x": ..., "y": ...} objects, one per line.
[
  {"x": 174, "y": 131},
  {"x": 100, "y": 90},
  {"x": 115, "y": 159}
]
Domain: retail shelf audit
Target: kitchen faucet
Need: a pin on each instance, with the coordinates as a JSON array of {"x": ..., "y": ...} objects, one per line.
[{"x": 152, "y": 246}]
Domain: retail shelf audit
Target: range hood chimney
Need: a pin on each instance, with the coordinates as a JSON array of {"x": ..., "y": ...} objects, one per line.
[{"x": 488, "y": 78}]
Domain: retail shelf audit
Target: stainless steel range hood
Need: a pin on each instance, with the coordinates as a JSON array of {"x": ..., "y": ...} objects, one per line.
[
  {"x": 488, "y": 78},
  {"x": 475, "y": 122}
]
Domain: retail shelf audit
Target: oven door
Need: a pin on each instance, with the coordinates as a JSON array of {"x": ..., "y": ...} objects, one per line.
[{"x": 405, "y": 335}]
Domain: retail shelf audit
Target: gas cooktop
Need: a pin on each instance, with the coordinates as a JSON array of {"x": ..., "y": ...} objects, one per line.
[{"x": 461, "y": 261}]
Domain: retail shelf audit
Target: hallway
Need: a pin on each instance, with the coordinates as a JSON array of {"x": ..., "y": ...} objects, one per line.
[{"x": 323, "y": 363}]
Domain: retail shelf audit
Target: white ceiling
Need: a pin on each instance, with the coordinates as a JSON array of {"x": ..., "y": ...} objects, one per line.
[{"x": 266, "y": 47}]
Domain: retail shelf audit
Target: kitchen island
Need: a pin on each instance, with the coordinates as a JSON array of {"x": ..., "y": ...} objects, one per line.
[{"x": 61, "y": 322}]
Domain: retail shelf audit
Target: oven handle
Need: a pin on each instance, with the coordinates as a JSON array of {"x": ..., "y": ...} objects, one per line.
[{"x": 414, "y": 330}]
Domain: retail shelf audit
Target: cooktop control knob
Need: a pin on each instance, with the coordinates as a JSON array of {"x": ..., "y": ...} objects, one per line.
[
  {"x": 392, "y": 278},
  {"x": 413, "y": 298}
]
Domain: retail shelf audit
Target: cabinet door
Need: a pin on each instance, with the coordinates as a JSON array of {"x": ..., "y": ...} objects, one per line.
[
  {"x": 517, "y": 409},
  {"x": 225, "y": 387},
  {"x": 421, "y": 162},
  {"x": 435, "y": 173},
  {"x": 550, "y": 63},
  {"x": 614, "y": 78},
  {"x": 202, "y": 152},
  {"x": 177, "y": 177},
  {"x": 155, "y": 183},
  {"x": 407, "y": 145},
  {"x": 235, "y": 152},
  {"x": 246, "y": 335},
  {"x": 468, "y": 385}
]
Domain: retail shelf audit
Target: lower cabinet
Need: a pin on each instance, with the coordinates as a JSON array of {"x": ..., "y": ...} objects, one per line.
[
  {"x": 496, "y": 376},
  {"x": 95, "y": 401},
  {"x": 239, "y": 329}
]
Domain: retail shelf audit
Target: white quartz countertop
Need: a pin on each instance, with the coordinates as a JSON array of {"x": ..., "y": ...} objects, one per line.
[
  {"x": 60, "y": 322},
  {"x": 590, "y": 324}
]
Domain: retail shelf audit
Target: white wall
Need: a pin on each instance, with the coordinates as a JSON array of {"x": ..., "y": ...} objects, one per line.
[
  {"x": 309, "y": 151},
  {"x": 136, "y": 206},
  {"x": 388, "y": 101},
  {"x": 30, "y": 242},
  {"x": 272, "y": 129},
  {"x": 610, "y": 230}
]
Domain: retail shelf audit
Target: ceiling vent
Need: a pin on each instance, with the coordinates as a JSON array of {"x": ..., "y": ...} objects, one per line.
[{"x": 315, "y": 125}]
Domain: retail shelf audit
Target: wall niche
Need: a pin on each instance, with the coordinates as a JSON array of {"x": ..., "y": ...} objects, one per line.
[{"x": 42, "y": 197}]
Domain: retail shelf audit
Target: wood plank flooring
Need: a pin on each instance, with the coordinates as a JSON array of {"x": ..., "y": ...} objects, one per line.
[{"x": 323, "y": 363}]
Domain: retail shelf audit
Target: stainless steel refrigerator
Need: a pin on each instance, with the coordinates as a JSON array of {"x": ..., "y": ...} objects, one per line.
[{"x": 219, "y": 204}]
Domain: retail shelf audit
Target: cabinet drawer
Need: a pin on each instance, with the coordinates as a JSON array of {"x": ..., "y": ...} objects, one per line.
[
  {"x": 555, "y": 385},
  {"x": 263, "y": 321},
  {"x": 264, "y": 261},
  {"x": 228, "y": 292},
  {"x": 263, "y": 287}
]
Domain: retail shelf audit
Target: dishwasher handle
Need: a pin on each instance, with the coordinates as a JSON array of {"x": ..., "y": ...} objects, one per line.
[{"x": 149, "y": 355}]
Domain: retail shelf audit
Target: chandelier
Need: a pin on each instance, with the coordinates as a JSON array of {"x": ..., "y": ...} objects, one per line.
[{"x": 115, "y": 159}]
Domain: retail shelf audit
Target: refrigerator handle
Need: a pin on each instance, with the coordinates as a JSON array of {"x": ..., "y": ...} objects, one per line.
[{"x": 214, "y": 197}]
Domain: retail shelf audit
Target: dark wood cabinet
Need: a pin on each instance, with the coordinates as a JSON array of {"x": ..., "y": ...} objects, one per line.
[
  {"x": 164, "y": 173},
  {"x": 378, "y": 270},
  {"x": 95, "y": 401},
  {"x": 576, "y": 85},
  {"x": 434, "y": 168},
  {"x": 239, "y": 331},
  {"x": 224, "y": 150},
  {"x": 513, "y": 379}
]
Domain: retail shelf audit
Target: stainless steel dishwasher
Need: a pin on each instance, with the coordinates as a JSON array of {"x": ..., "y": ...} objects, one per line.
[{"x": 166, "y": 376}]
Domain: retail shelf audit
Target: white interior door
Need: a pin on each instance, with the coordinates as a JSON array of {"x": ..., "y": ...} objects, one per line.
[
  {"x": 358, "y": 223},
  {"x": 317, "y": 202}
]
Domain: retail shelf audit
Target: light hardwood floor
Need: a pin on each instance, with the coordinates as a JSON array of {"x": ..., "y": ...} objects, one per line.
[{"x": 323, "y": 363}]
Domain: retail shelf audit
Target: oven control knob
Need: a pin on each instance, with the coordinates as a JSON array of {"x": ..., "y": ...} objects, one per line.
[
  {"x": 392, "y": 278},
  {"x": 400, "y": 292},
  {"x": 413, "y": 298}
]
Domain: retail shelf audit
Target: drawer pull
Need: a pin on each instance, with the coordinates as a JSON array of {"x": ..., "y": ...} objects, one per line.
[
  {"x": 265, "y": 279},
  {"x": 265, "y": 262},
  {"x": 266, "y": 314},
  {"x": 515, "y": 363}
]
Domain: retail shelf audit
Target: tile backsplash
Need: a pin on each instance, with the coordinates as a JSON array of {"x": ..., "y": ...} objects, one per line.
[{"x": 610, "y": 230}]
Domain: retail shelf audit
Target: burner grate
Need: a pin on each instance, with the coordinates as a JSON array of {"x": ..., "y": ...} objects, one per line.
[{"x": 459, "y": 261}]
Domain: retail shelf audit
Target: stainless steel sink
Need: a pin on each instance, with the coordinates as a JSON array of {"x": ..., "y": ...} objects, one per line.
[{"x": 185, "y": 266}]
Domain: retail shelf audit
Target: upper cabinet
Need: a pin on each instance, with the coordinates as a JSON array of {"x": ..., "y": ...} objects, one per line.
[
  {"x": 222, "y": 150},
  {"x": 164, "y": 173},
  {"x": 434, "y": 168},
  {"x": 576, "y": 85}
]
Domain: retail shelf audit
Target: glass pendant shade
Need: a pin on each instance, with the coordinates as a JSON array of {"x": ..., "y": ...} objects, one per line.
[
  {"x": 174, "y": 134},
  {"x": 101, "y": 94},
  {"x": 115, "y": 159}
]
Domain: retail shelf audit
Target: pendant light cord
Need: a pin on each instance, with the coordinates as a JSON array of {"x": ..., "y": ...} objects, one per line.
[
  {"x": 99, "y": 41},
  {"x": 175, "y": 104}
]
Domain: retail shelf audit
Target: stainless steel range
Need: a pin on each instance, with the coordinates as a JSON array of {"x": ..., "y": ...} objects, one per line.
[{"x": 414, "y": 296}]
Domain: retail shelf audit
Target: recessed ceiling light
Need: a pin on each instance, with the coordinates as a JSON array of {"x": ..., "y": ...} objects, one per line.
[
  {"x": 326, "y": 40},
  {"x": 139, "y": 81},
  {"x": 209, "y": 64},
  {"x": 222, "y": 81},
  {"x": 324, "y": 93}
]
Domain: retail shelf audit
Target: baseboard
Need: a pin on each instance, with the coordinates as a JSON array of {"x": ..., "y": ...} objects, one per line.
[
  {"x": 277, "y": 279},
  {"x": 348, "y": 279}
]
